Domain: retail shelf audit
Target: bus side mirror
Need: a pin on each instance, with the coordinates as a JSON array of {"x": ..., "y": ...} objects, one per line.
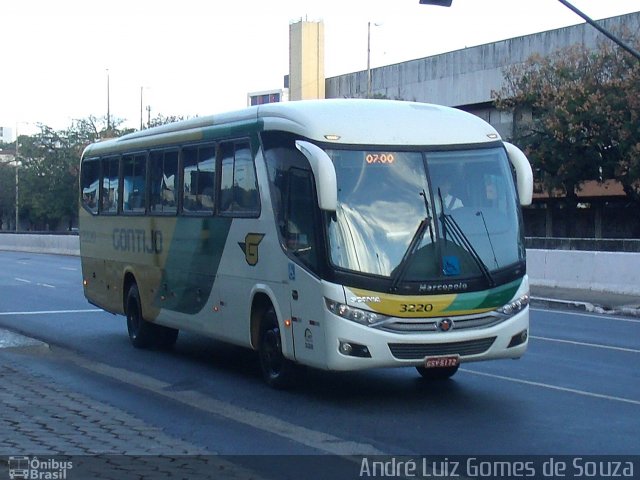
[
  {"x": 324, "y": 173},
  {"x": 524, "y": 174}
]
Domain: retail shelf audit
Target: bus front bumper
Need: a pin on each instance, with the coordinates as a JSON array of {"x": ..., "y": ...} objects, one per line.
[{"x": 352, "y": 346}]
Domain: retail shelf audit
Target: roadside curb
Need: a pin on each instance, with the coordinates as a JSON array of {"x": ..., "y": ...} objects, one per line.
[
  {"x": 553, "y": 303},
  {"x": 14, "y": 341}
]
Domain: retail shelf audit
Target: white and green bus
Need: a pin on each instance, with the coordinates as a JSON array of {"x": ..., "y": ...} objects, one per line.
[{"x": 338, "y": 234}]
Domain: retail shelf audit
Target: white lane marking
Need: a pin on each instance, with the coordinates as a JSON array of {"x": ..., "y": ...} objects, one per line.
[
  {"x": 554, "y": 387},
  {"x": 30, "y": 282},
  {"x": 589, "y": 315},
  {"x": 51, "y": 312},
  {"x": 584, "y": 344},
  {"x": 70, "y": 269},
  {"x": 311, "y": 438}
]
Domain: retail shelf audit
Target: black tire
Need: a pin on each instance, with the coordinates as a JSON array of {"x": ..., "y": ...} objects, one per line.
[
  {"x": 167, "y": 337},
  {"x": 437, "y": 373},
  {"x": 277, "y": 371},
  {"x": 145, "y": 334}
]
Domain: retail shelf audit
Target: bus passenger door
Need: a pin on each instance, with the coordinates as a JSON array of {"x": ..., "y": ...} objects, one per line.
[{"x": 300, "y": 228}]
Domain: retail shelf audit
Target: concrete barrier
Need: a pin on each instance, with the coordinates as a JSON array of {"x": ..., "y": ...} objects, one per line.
[
  {"x": 615, "y": 272},
  {"x": 34, "y": 243}
]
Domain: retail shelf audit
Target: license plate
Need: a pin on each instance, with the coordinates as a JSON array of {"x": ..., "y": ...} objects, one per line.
[{"x": 442, "y": 362}]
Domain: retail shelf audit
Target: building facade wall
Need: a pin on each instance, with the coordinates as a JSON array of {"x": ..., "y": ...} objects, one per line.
[
  {"x": 306, "y": 61},
  {"x": 465, "y": 78},
  {"x": 6, "y": 135}
]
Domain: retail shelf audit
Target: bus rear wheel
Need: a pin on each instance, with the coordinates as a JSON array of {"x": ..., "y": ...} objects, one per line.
[
  {"x": 145, "y": 334},
  {"x": 437, "y": 373},
  {"x": 277, "y": 371}
]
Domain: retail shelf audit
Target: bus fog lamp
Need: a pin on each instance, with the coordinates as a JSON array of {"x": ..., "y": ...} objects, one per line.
[
  {"x": 345, "y": 348},
  {"x": 518, "y": 339},
  {"x": 351, "y": 349}
]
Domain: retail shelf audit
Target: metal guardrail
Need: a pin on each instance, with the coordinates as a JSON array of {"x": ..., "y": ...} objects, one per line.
[{"x": 586, "y": 244}]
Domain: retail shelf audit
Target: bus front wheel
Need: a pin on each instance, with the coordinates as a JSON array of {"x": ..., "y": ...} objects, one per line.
[
  {"x": 145, "y": 334},
  {"x": 277, "y": 371}
]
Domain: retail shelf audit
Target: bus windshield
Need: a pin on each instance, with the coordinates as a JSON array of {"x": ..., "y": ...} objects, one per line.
[{"x": 434, "y": 215}]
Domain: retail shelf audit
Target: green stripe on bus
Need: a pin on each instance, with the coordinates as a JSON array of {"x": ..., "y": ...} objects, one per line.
[
  {"x": 192, "y": 263},
  {"x": 494, "y": 298}
]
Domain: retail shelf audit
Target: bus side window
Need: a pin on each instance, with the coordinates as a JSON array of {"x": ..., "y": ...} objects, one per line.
[
  {"x": 90, "y": 184},
  {"x": 110, "y": 181},
  {"x": 198, "y": 173},
  {"x": 164, "y": 174},
  {"x": 133, "y": 184},
  {"x": 238, "y": 188}
]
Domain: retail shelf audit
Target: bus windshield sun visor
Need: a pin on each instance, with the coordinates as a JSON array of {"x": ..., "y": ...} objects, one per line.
[{"x": 324, "y": 173}]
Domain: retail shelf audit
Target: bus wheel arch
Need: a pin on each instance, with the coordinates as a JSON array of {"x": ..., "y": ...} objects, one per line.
[
  {"x": 277, "y": 370},
  {"x": 259, "y": 306},
  {"x": 129, "y": 279},
  {"x": 142, "y": 333},
  {"x": 267, "y": 338}
]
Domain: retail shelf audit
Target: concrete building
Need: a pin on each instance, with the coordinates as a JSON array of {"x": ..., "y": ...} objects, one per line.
[
  {"x": 306, "y": 60},
  {"x": 465, "y": 78},
  {"x": 6, "y": 135},
  {"x": 267, "y": 96}
]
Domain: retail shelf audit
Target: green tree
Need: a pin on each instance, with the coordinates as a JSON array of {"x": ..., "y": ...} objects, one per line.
[
  {"x": 50, "y": 167},
  {"x": 163, "y": 120},
  {"x": 577, "y": 115},
  {"x": 48, "y": 178}
]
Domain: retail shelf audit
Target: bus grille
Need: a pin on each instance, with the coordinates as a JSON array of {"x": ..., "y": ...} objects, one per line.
[
  {"x": 397, "y": 325},
  {"x": 418, "y": 351}
]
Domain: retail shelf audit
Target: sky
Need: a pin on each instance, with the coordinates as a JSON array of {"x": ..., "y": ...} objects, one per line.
[{"x": 198, "y": 57}]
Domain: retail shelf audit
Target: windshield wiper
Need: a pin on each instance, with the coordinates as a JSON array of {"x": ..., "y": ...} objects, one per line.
[
  {"x": 459, "y": 238},
  {"x": 413, "y": 245}
]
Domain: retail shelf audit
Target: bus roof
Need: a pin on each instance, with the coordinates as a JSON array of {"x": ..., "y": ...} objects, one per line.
[{"x": 339, "y": 121}]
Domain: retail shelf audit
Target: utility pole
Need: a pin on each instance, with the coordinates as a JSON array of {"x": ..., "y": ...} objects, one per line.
[
  {"x": 141, "y": 123},
  {"x": 369, "y": 60},
  {"x": 369, "y": 57},
  {"x": 108, "y": 104}
]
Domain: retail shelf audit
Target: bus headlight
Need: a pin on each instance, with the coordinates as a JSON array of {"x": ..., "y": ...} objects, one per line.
[
  {"x": 515, "y": 306},
  {"x": 363, "y": 317}
]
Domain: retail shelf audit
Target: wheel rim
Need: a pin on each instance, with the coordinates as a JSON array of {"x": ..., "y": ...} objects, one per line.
[{"x": 133, "y": 320}]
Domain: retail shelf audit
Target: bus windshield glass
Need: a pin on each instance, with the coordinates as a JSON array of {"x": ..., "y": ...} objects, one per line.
[{"x": 466, "y": 197}]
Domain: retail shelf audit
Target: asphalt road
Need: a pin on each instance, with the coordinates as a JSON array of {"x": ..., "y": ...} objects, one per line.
[{"x": 575, "y": 392}]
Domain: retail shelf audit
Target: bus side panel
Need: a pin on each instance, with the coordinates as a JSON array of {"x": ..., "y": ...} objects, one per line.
[
  {"x": 308, "y": 310},
  {"x": 253, "y": 257}
]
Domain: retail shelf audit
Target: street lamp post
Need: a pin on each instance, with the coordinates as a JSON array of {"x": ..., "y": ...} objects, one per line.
[
  {"x": 17, "y": 165},
  {"x": 369, "y": 57},
  {"x": 17, "y": 190},
  {"x": 108, "y": 103},
  {"x": 604, "y": 31}
]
